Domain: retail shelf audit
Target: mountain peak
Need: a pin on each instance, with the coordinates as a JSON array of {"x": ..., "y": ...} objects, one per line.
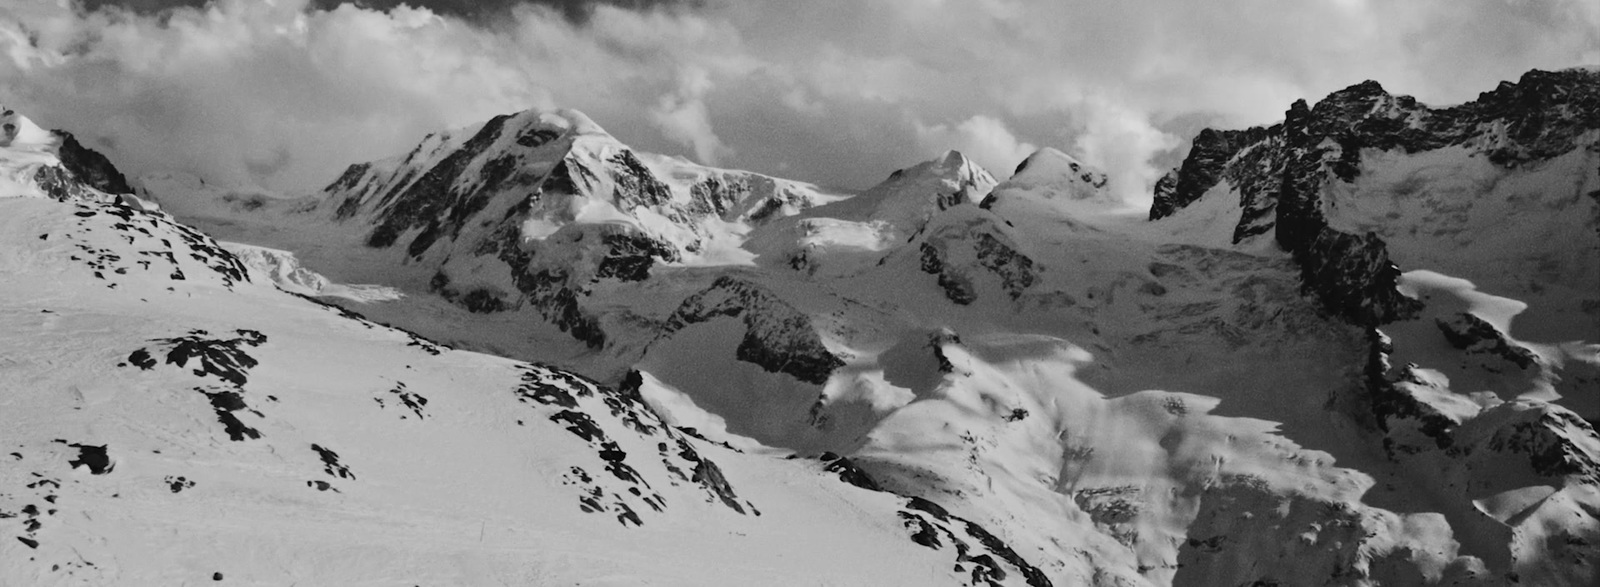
[
  {"x": 573, "y": 120},
  {"x": 52, "y": 163},
  {"x": 20, "y": 133},
  {"x": 1049, "y": 175},
  {"x": 950, "y": 165},
  {"x": 944, "y": 181},
  {"x": 952, "y": 157},
  {"x": 1053, "y": 162}
]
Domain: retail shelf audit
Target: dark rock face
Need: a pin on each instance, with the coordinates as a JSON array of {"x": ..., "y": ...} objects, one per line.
[
  {"x": 1475, "y": 336},
  {"x": 778, "y": 337},
  {"x": 629, "y": 255},
  {"x": 936, "y": 344},
  {"x": 221, "y": 359},
  {"x": 347, "y": 183},
  {"x": 1241, "y": 521},
  {"x": 1544, "y": 434},
  {"x": 478, "y": 300},
  {"x": 723, "y": 195},
  {"x": 1205, "y": 166},
  {"x": 89, "y": 166},
  {"x": 849, "y": 472},
  {"x": 1016, "y": 270},
  {"x": 407, "y": 399},
  {"x": 709, "y": 476},
  {"x": 225, "y": 403},
  {"x": 1540, "y": 116},
  {"x": 177, "y": 483},
  {"x": 550, "y": 292},
  {"x": 561, "y": 179},
  {"x": 431, "y": 204},
  {"x": 1350, "y": 274},
  {"x": 224, "y": 359},
  {"x": 537, "y": 137},
  {"x": 1279, "y": 171},
  {"x": 93, "y": 458},
  {"x": 564, "y": 397},
  {"x": 994, "y": 253},
  {"x": 980, "y": 554},
  {"x": 1391, "y": 403},
  {"x": 956, "y": 287},
  {"x": 80, "y": 170},
  {"x": 1114, "y": 510},
  {"x": 60, "y": 185},
  {"x": 331, "y": 464},
  {"x": 636, "y": 185},
  {"x": 716, "y": 196}
]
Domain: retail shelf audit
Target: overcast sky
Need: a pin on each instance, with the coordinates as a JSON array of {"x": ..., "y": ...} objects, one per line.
[{"x": 283, "y": 94}]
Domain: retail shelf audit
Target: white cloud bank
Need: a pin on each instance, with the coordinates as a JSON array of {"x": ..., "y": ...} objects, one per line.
[{"x": 277, "y": 95}]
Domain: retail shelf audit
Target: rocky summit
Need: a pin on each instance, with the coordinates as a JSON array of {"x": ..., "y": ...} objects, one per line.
[{"x": 1360, "y": 346}]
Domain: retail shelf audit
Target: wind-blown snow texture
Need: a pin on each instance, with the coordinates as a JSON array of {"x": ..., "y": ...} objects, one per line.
[{"x": 1355, "y": 347}]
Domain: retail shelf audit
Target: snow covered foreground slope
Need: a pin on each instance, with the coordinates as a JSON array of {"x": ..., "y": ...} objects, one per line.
[
  {"x": 1357, "y": 347},
  {"x": 172, "y": 417}
]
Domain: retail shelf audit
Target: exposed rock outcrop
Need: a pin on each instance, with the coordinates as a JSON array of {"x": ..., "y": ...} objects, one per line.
[{"x": 778, "y": 337}]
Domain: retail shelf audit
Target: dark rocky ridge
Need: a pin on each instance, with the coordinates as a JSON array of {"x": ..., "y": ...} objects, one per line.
[
  {"x": 431, "y": 202},
  {"x": 1474, "y": 335},
  {"x": 1351, "y": 275},
  {"x": 778, "y": 337},
  {"x": 562, "y": 395},
  {"x": 1280, "y": 170},
  {"x": 992, "y": 250},
  {"x": 82, "y": 170},
  {"x": 1542, "y": 115},
  {"x": 89, "y": 166}
]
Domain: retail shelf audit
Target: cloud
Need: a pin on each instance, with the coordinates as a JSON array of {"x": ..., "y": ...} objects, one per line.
[
  {"x": 982, "y": 138},
  {"x": 259, "y": 93},
  {"x": 681, "y": 116},
  {"x": 1121, "y": 140},
  {"x": 284, "y": 94}
]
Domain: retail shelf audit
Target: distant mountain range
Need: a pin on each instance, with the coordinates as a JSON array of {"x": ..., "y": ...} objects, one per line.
[{"x": 1357, "y": 347}]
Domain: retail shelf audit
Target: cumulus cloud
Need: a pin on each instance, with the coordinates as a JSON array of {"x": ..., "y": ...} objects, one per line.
[
  {"x": 981, "y": 138},
  {"x": 1121, "y": 140},
  {"x": 277, "y": 95},
  {"x": 681, "y": 116},
  {"x": 284, "y": 94}
]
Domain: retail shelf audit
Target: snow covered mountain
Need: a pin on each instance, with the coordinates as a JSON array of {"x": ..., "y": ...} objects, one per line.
[{"x": 1361, "y": 346}]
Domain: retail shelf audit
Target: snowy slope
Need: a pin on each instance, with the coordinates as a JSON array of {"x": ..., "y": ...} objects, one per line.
[{"x": 848, "y": 236}]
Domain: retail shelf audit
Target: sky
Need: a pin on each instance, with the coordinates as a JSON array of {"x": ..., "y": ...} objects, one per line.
[{"x": 283, "y": 94}]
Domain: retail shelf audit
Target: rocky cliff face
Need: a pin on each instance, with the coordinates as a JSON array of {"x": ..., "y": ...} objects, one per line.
[
  {"x": 90, "y": 167},
  {"x": 965, "y": 254},
  {"x": 1540, "y": 116},
  {"x": 1280, "y": 172},
  {"x": 777, "y": 337}
]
